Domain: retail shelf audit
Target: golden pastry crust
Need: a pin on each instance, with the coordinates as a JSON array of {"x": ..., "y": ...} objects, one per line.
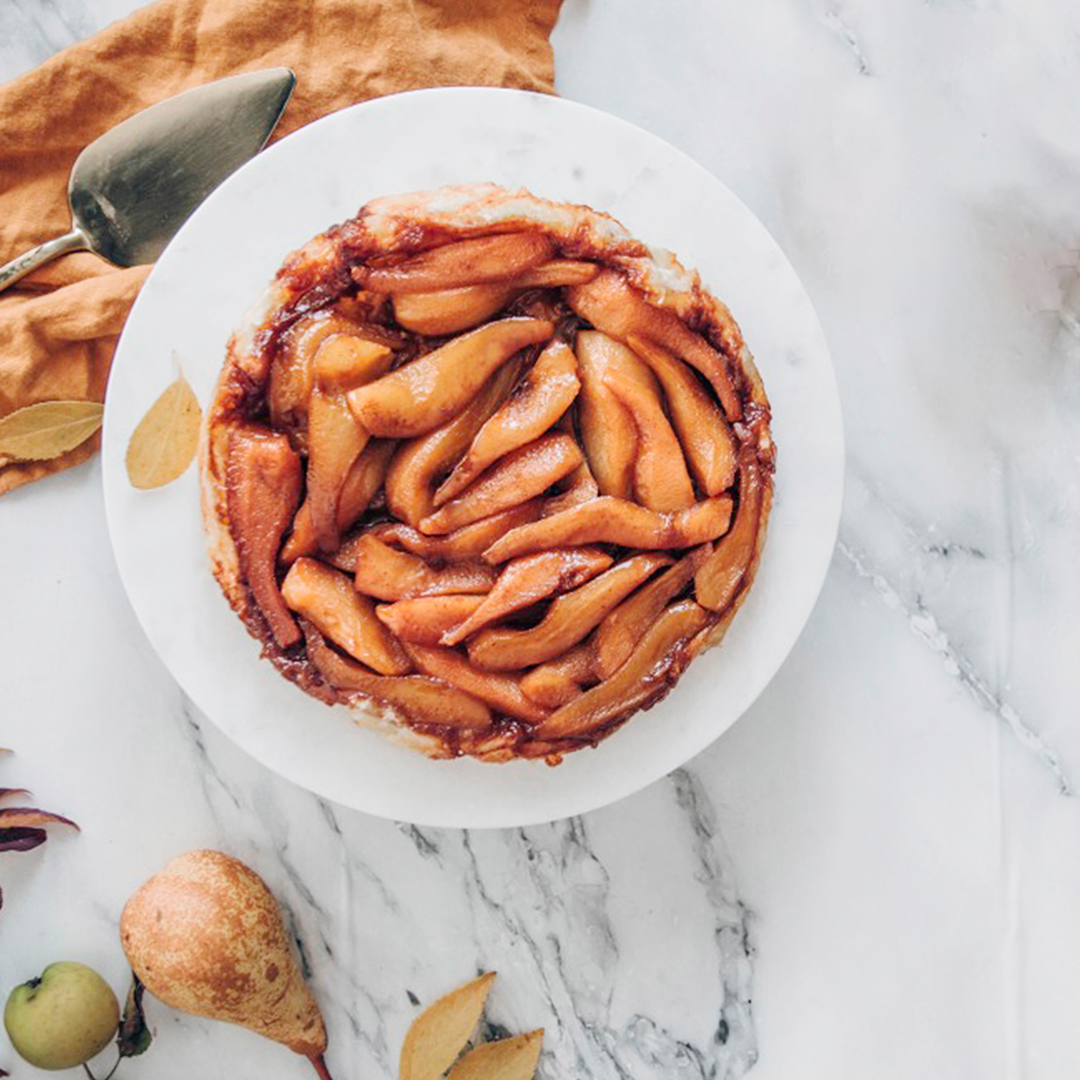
[{"x": 640, "y": 299}]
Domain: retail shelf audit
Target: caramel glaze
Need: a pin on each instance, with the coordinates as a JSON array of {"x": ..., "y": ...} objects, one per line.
[{"x": 327, "y": 279}]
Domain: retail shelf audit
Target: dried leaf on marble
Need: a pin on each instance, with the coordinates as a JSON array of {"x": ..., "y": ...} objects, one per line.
[
  {"x": 19, "y": 817},
  {"x": 166, "y": 438},
  {"x": 48, "y": 429},
  {"x": 438, "y": 1035},
  {"x": 508, "y": 1059},
  {"x": 133, "y": 1036}
]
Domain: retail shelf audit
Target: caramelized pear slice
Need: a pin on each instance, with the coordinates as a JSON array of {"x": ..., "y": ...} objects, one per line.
[
  {"x": 326, "y": 597},
  {"x": 416, "y": 698},
  {"x": 628, "y": 624},
  {"x": 449, "y": 311},
  {"x": 705, "y": 435},
  {"x": 503, "y": 692},
  {"x": 343, "y": 362},
  {"x": 335, "y": 441},
  {"x": 364, "y": 478},
  {"x": 387, "y": 574},
  {"x": 529, "y": 579},
  {"x": 601, "y": 355},
  {"x": 537, "y": 403},
  {"x": 422, "y": 700},
  {"x": 420, "y": 462},
  {"x": 649, "y": 673},
  {"x": 612, "y": 304},
  {"x": 559, "y": 681},
  {"x": 568, "y": 619},
  {"x": 580, "y": 485},
  {"x": 462, "y": 262},
  {"x": 263, "y": 478},
  {"x": 606, "y": 520},
  {"x": 426, "y": 619},
  {"x": 608, "y": 433},
  {"x": 717, "y": 583},
  {"x": 519, "y": 476},
  {"x": 425, "y": 393},
  {"x": 463, "y": 544},
  {"x": 292, "y": 371},
  {"x": 661, "y": 481},
  {"x": 556, "y": 273}
]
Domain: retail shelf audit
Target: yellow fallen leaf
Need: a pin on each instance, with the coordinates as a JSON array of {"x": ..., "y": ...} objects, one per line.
[
  {"x": 439, "y": 1034},
  {"x": 165, "y": 441},
  {"x": 507, "y": 1059},
  {"x": 48, "y": 429}
]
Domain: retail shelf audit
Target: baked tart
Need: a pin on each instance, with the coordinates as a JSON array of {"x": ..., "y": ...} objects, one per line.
[{"x": 487, "y": 470}]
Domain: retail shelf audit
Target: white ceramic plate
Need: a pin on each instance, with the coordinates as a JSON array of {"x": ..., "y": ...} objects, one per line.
[{"x": 218, "y": 265}]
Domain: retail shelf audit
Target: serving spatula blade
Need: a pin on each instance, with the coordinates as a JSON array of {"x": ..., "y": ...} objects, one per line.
[{"x": 133, "y": 187}]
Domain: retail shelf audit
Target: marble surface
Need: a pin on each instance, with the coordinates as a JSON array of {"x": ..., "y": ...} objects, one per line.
[{"x": 876, "y": 872}]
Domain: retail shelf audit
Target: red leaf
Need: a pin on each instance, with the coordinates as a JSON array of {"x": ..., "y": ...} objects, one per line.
[{"x": 21, "y": 839}]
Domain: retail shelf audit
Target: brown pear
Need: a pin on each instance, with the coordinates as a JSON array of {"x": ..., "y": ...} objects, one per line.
[{"x": 206, "y": 936}]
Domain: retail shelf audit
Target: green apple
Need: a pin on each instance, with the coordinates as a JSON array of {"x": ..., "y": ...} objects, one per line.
[{"x": 63, "y": 1018}]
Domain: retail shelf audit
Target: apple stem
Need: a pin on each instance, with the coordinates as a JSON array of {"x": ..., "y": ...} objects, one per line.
[
  {"x": 320, "y": 1066},
  {"x": 108, "y": 1075}
]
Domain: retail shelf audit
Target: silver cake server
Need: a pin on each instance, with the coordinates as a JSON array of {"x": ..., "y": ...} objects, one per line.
[{"x": 132, "y": 188}]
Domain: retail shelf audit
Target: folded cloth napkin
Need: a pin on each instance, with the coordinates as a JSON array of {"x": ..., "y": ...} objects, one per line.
[{"x": 59, "y": 326}]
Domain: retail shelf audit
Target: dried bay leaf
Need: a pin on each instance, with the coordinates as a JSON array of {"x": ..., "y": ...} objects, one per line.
[
  {"x": 439, "y": 1034},
  {"x": 507, "y": 1059},
  {"x": 165, "y": 441},
  {"x": 48, "y": 429}
]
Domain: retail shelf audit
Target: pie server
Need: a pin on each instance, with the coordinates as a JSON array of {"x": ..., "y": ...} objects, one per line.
[{"x": 132, "y": 188}]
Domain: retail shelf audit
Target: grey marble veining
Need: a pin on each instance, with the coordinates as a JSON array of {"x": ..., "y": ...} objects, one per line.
[
  {"x": 605, "y": 945},
  {"x": 32, "y": 30}
]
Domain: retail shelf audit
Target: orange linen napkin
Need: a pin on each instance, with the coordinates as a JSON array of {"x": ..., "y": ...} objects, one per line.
[{"x": 59, "y": 326}]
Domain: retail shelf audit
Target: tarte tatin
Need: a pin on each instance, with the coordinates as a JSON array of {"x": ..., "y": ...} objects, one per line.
[{"x": 487, "y": 470}]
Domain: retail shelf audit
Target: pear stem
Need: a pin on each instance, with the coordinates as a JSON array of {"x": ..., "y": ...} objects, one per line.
[{"x": 320, "y": 1066}]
